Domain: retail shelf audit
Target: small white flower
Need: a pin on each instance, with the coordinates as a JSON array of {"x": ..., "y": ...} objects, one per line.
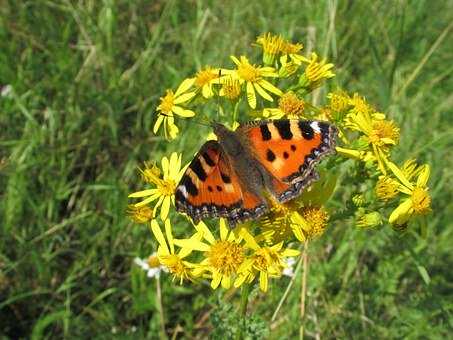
[
  {"x": 6, "y": 91},
  {"x": 151, "y": 265},
  {"x": 289, "y": 270}
]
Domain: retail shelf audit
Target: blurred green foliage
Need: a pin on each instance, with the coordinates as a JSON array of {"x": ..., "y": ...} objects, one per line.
[{"x": 83, "y": 80}]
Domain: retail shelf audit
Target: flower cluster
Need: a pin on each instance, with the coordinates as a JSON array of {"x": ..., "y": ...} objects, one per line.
[{"x": 262, "y": 249}]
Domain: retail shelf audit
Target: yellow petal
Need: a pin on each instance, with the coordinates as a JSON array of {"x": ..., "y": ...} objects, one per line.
[
  {"x": 235, "y": 60},
  {"x": 351, "y": 153},
  {"x": 388, "y": 141},
  {"x": 251, "y": 97},
  {"x": 239, "y": 281},
  {"x": 290, "y": 252},
  {"x": 185, "y": 251},
  {"x": 185, "y": 85},
  {"x": 159, "y": 236},
  {"x": 268, "y": 86},
  {"x": 174, "y": 167},
  {"x": 223, "y": 230},
  {"x": 169, "y": 235},
  {"x": 226, "y": 282},
  {"x": 192, "y": 244},
  {"x": 173, "y": 131},
  {"x": 268, "y": 71},
  {"x": 158, "y": 204},
  {"x": 165, "y": 165},
  {"x": 249, "y": 240},
  {"x": 204, "y": 230},
  {"x": 159, "y": 121},
  {"x": 165, "y": 208},
  {"x": 184, "y": 97},
  {"x": 216, "y": 277},
  {"x": 423, "y": 177},
  {"x": 147, "y": 200},
  {"x": 402, "y": 213},
  {"x": 206, "y": 91},
  {"x": 183, "y": 112},
  {"x": 143, "y": 193},
  {"x": 263, "y": 281},
  {"x": 263, "y": 93},
  {"x": 399, "y": 174}
]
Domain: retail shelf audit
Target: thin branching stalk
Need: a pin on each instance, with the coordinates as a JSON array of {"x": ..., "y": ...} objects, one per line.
[
  {"x": 245, "y": 291},
  {"x": 160, "y": 308},
  {"x": 303, "y": 293}
]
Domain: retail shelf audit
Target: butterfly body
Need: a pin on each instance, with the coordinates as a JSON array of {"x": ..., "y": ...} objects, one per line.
[{"x": 235, "y": 176}]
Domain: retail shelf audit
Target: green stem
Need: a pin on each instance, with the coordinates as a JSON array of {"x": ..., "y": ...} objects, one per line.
[
  {"x": 243, "y": 308},
  {"x": 235, "y": 111}
]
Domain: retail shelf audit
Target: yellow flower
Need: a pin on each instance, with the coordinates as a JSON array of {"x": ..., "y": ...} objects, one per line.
[
  {"x": 169, "y": 106},
  {"x": 317, "y": 221},
  {"x": 289, "y": 105},
  {"x": 315, "y": 72},
  {"x": 370, "y": 220},
  {"x": 384, "y": 132},
  {"x": 231, "y": 88},
  {"x": 291, "y": 49},
  {"x": 379, "y": 133},
  {"x": 288, "y": 67},
  {"x": 272, "y": 45},
  {"x": 339, "y": 101},
  {"x": 356, "y": 154},
  {"x": 359, "y": 105},
  {"x": 165, "y": 186},
  {"x": 223, "y": 257},
  {"x": 410, "y": 169},
  {"x": 204, "y": 79},
  {"x": 281, "y": 223},
  {"x": 167, "y": 255},
  {"x": 418, "y": 201},
  {"x": 358, "y": 200},
  {"x": 150, "y": 173},
  {"x": 139, "y": 214},
  {"x": 266, "y": 261},
  {"x": 386, "y": 188},
  {"x": 253, "y": 76}
]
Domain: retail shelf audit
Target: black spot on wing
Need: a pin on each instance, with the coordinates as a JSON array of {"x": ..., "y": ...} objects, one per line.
[
  {"x": 210, "y": 188},
  {"x": 293, "y": 147},
  {"x": 284, "y": 129},
  {"x": 219, "y": 188},
  {"x": 285, "y": 155},
  {"x": 306, "y": 130},
  {"x": 208, "y": 159},
  {"x": 225, "y": 178},
  {"x": 265, "y": 133},
  {"x": 198, "y": 169},
  {"x": 270, "y": 156},
  {"x": 190, "y": 186},
  {"x": 179, "y": 196}
]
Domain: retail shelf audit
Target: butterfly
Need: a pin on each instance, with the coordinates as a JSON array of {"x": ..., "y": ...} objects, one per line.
[{"x": 231, "y": 177}]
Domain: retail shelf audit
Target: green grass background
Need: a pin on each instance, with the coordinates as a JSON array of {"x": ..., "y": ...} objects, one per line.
[{"x": 86, "y": 78}]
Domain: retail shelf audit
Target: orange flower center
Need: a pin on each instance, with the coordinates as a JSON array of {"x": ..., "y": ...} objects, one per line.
[
  {"x": 290, "y": 104},
  {"x": 226, "y": 256},
  {"x": 248, "y": 72},
  {"x": 204, "y": 77},
  {"x": 421, "y": 201},
  {"x": 167, "y": 102}
]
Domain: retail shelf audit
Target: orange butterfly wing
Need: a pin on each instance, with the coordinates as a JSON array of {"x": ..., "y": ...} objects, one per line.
[
  {"x": 289, "y": 151},
  {"x": 211, "y": 188}
]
